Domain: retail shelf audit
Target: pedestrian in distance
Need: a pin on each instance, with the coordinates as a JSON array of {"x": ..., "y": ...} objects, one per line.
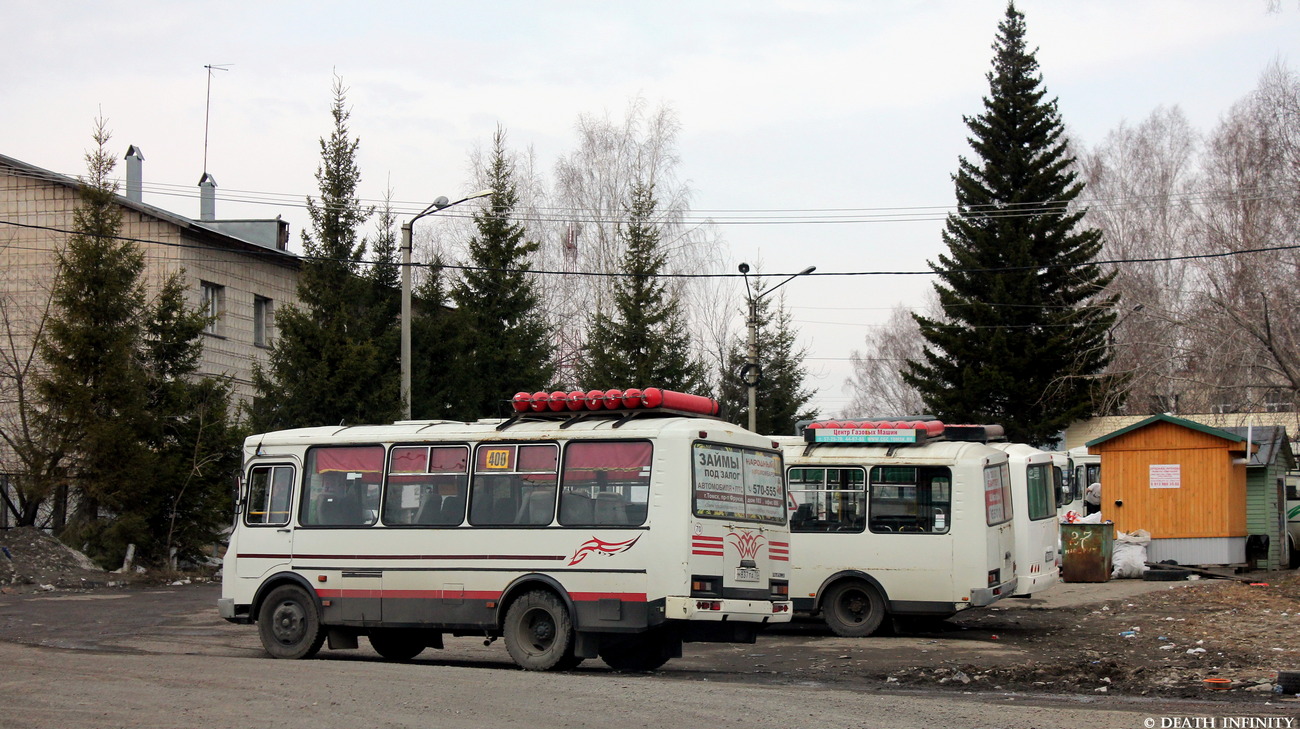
[{"x": 1092, "y": 499}]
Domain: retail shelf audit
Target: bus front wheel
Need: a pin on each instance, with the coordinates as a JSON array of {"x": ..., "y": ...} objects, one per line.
[
  {"x": 289, "y": 624},
  {"x": 853, "y": 609},
  {"x": 539, "y": 632}
]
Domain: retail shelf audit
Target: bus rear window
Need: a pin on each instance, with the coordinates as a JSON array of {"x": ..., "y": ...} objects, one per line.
[
  {"x": 738, "y": 483},
  {"x": 1040, "y": 491},
  {"x": 997, "y": 494}
]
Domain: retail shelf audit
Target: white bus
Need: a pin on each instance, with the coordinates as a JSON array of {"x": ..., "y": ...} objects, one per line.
[
  {"x": 1086, "y": 469},
  {"x": 620, "y": 526},
  {"x": 1034, "y": 487},
  {"x": 894, "y": 519}
]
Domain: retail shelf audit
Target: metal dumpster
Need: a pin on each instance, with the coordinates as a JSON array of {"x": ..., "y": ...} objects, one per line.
[{"x": 1086, "y": 551}]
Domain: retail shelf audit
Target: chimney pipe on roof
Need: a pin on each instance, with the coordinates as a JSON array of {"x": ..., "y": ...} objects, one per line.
[
  {"x": 134, "y": 174},
  {"x": 207, "y": 197}
]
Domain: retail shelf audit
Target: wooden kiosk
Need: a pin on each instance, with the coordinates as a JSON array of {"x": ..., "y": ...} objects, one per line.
[{"x": 1183, "y": 482}]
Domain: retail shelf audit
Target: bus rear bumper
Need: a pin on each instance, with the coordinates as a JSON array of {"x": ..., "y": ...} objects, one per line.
[
  {"x": 713, "y": 609},
  {"x": 988, "y": 596}
]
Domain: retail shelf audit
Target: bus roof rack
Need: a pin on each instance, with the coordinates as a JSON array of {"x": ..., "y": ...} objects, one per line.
[
  {"x": 975, "y": 433},
  {"x": 624, "y": 405}
]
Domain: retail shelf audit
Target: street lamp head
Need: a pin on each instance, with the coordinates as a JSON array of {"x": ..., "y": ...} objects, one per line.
[
  {"x": 744, "y": 268},
  {"x": 441, "y": 202},
  {"x": 806, "y": 271}
]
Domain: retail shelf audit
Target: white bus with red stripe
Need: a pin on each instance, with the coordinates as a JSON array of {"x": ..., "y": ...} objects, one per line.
[
  {"x": 1035, "y": 485},
  {"x": 896, "y": 519},
  {"x": 604, "y": 523}
]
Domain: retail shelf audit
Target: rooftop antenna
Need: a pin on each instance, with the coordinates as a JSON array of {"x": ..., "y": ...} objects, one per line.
[{"x": 207, "y": 109}]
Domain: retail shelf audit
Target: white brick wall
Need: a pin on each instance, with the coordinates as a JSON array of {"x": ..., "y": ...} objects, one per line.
[{"x": 28, "y": 258}]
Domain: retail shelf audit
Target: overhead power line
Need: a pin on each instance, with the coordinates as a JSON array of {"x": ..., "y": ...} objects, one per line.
[
  {"x": 749, "y": 216},
  {"x": 280, "y": 255}
]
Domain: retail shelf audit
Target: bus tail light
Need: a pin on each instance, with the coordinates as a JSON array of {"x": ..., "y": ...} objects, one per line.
[
  {"x": 708, "y": 604},
  {"x": 995, "y": 577},
  {"x": 780, "y": 590},
  {"x": 706, "y": 586}
]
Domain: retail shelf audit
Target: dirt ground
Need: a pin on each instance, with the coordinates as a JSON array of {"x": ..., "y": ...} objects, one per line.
[
  {"x": 33, "y": 561},
  {"x": 1120, "y": 638},
  {"x": 1165, "y": 642}
]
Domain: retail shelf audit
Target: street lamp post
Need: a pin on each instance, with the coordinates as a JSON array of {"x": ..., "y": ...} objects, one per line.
[
  {"x": 439, "y": 204},
  {"x": 751, "y": 374}
]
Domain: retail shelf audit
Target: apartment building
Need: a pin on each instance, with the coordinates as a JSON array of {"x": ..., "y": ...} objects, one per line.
[{"x": 238, "y": 270}]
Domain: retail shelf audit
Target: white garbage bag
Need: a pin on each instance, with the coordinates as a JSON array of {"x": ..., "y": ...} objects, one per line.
[{"x": 1129, "y": 558}]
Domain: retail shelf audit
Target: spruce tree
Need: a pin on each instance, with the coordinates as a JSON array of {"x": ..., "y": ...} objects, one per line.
[
  {"x": 781, "y": 394},
  {"x": 151, "y": 448},
  {"x": 507, "y": 346},
  {"x": 186, "y": 503},
  {"x": 1023, "y": 331},
  {"x": 334, "y": 360},
  {"x": 94, "y": 385},
  {"x": 645, "y": 341},
  {"x": 441, "y": 376}
]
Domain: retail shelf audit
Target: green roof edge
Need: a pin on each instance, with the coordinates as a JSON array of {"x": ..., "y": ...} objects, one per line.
[{"x": 1168, "y": 419}]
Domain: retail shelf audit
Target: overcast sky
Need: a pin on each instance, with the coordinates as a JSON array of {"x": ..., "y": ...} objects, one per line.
[{"x": 798, "y": 106}]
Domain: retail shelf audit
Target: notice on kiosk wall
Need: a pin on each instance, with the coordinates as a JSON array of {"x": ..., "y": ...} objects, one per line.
[{"x": 1166, "y": 476}]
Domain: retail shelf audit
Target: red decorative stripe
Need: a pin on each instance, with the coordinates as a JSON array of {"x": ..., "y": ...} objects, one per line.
[
  {"x": 707, "y": 553},
  {"x": 547, "y": 557},
  {"x": 702, "y": 538},
  {"x": 469, "y": 595}
]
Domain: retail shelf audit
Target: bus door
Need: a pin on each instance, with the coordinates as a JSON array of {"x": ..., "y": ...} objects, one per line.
[
  {"x": 266, "y": 544},
  {"x": 1001, "y": 542}
]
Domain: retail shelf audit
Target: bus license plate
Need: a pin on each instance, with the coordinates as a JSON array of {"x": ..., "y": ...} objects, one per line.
[{"x": 747, "y": 574}]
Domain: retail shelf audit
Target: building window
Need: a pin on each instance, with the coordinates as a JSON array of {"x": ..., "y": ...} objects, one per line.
[
  {"x": 214, "y": 300},
  {"x": 262, "y": 313}
]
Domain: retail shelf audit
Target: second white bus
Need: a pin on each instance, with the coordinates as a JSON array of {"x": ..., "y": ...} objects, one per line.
[
  {"x": 891, "y": 519},
  {"x": 1038, "y": 531},
  {"x": 620, "y": 531}
]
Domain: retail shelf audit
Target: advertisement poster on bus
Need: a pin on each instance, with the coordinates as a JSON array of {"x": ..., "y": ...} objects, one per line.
[{"x": 739, "y": 483}]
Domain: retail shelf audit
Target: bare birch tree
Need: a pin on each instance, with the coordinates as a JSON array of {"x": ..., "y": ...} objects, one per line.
[
  {"x": 1245, "y": 324},
  {"x": 593, "y": 185},
  {"x": 876, "y": 387},
  {"x": 1141, "y": 179}
]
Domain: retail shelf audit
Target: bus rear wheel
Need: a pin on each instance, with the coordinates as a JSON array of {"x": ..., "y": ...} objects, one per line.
[
  {"x": 853, "y": 609},
  {"x": 539, "y": 632},
  {"x": 638, "y": 653},
  {"x": 289, "y": 624},
  {"x": 395, "y": 644}
]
